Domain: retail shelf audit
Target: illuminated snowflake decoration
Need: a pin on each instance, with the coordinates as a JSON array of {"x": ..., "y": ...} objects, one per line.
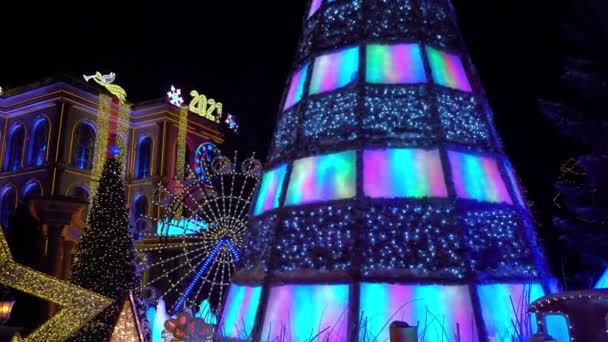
[
  {"x": 232, "y": 124},
  {"x": 175, "y": 96}
]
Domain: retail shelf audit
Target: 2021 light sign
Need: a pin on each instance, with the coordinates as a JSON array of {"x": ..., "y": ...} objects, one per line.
[
  {"x": 199, "y": 104},
  {"x": 207, "y": 108}
]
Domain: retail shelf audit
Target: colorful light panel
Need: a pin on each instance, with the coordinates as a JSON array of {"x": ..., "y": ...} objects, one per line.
[
  {"x": 557, "y": 326},
  {"x": 316, "y": 4},
  {"x": 447, "y": 70},
  {"x": 438, "y": 308},
  {"x": 334, "y": 70},
  {"x": 394, "y": 64},
  {"x": 501, "y": 304},
  {"x": 300, "y": 312},
  {"x": 184, "y": 226},
  {"x": 514, "y": 184},
  {"x": 240, "y": 311},
  {"x": 270, "y": 190},
  {"x": 476, "y": 177},
  {"x": 403, "y": 173},
  {"x": 322, "y": 178},
  {"x": 296, "y": 88},
  {"x": 602, "y": 283}
]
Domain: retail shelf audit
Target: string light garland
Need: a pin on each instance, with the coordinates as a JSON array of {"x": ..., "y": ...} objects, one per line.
[
  {"x": 182, "y": 129},
  {"x": 79, "y": 305},
  {"x": 558, "y": 304}
]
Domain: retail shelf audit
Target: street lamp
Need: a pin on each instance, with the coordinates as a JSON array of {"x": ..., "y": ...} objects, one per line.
[{"x": 6, "y": 306}]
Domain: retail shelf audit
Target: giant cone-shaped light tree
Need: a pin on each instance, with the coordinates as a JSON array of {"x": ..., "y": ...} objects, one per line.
[{"x": 387, "y": 194}]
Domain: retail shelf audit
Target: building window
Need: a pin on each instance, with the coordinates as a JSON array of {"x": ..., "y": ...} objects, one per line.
[
  {"x": 83, "y": 146},
  {"x": 79, "y": 192},
  {"x": 39, "y": 142},
  {"x": 140, "y": 210},
  {"x": 9, "y": 201},
  {"x": 16, "y": 139},
  {"x": 144, "y": 154},
  {"x": 32, "y": 189}
]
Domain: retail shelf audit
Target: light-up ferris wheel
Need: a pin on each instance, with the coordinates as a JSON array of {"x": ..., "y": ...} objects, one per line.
[{"x": 202, "y": 230}]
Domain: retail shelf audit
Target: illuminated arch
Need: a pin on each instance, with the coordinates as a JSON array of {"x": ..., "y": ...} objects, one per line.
[
  {"x": 82, "y": 156},
  {"x": 79, "y": 191},
  {"x": 145, "y": 151},
  {"x": 32, "y": 188},
  {"x": 141, "y": 209},
  {"x": 15, "y": 146},
  {"x": 41, "y": 137},
  {"x": 8, "y": 202}
]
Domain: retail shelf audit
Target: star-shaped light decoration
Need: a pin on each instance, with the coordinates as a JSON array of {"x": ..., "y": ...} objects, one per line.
[
  {"x": 232, "y": 124},
  {"x": 79, "y": 306},
  {"x": 175, "y": 96}
]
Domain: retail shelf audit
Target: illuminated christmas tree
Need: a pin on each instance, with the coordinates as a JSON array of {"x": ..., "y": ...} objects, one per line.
[
  {"x": 387, "y": 194},
  {"x": 105, "y": 260}
]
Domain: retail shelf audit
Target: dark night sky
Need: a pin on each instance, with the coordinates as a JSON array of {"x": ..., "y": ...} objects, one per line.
[{"x": 240, "y": 52}]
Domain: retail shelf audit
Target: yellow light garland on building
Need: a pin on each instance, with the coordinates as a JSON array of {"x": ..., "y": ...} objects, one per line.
[
  {"x": 101, "y": 145},
  {"x": 181, "y": 143},
  {"x": 104, "y": 115},
  {"x": 79, "y": 306}
]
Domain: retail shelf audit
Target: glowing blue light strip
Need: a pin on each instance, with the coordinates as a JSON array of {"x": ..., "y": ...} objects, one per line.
[
  {"x": 203, "y": 269},
  {"x": 602, "y": 283}
]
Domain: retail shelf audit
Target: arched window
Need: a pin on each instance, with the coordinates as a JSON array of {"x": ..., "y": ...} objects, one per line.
[
  {"x": 140, "y": 209},
  {"x": 83, "y": 146},
  {"x": 144, "y": 154},
  {"x": 79, "y": 192},
  {"x": 14, "y": 149},
  {"x": 32, "y": 189},
  {"x": 9, "y": 201},
  {"x": 39, "y": 142}
]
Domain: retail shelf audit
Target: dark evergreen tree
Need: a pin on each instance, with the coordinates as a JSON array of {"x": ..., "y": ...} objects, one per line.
[
  {"x": 105, "y": 260},
  {"x": 581, "y": 202}
]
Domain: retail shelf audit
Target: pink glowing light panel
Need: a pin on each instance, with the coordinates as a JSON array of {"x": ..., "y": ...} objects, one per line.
[
  {"x": 403, "y": 173},
  {"x": 394, "y": 64},
  {"x": 447, "y": 70},
  {"x": 503, "y": 304},
  {"x": 299, "y": 312},
  {"x": 441, "y": 312},
  {"x": 270, "y": 190},
  {"x": 322, "y": 178},
  {"x": 478, "y": 178},
  {"x": 314, "y": 7},
  {"x": 296, "y": 87},
  {"x": 240, "y": 311},
  {"x": 334, "y": 70}
]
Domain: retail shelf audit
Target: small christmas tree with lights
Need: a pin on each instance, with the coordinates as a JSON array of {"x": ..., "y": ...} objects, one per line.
[{"x": 105, "y": 261}]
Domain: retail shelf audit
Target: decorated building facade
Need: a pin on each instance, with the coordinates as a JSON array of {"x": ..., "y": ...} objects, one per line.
[{"x": 51, "y": 135}]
